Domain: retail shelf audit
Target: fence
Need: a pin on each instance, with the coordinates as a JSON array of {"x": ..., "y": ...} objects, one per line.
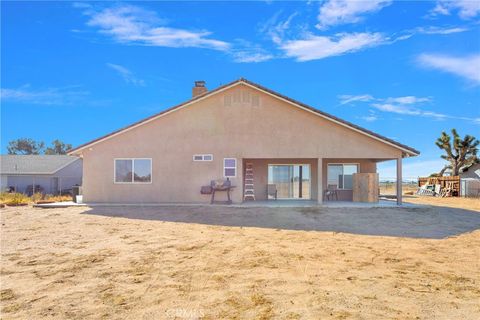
[
  {"x": 442, "y": 181},
  {"x": 470, "y": 188}
]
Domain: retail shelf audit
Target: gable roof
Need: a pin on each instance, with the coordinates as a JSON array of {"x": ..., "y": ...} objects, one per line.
[
  {"x": 34, "y": 164},
  {"x": 408, "y": 151},
  {"x": 472, "y": 166}
]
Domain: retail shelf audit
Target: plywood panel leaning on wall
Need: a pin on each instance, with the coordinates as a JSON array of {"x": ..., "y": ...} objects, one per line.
[{"x": 365, "y": 187}]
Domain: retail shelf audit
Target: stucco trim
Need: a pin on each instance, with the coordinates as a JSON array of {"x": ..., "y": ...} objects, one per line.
[{"x": 407, "y": 150}]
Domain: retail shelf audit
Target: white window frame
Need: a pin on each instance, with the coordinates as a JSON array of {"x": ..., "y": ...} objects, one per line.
[
  {"x": 224, "y": 167},
  {"x": 203, "y": 157},
  {"x": 343, "y": 176},
  {"x": 133, "y": 171}
]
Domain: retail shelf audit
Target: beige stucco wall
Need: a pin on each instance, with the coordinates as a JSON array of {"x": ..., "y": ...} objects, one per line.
[{"x": 268, "y": 129}]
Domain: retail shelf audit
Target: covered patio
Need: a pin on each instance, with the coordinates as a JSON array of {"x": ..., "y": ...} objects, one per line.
[{"x": 311, "y": 181}]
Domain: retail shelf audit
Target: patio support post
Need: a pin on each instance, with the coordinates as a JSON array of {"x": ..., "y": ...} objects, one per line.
[
  {"x": 399, "y": 181},
  {"x": 241, "y": 182},
  {"x": 320, "y": 181}
]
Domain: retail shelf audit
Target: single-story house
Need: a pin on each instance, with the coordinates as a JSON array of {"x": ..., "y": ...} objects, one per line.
[
  {"x": 472, "y": 171},
  {"x": 470, "y": 181},
  {"x": 48, "y": 174},
  {"x": 242, "y": 131}
]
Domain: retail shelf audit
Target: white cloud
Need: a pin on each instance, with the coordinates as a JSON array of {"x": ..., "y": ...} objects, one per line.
[
  {"x": 467, "y": 67},
  {"x": 336, "y": 12},
  {"x": 440, "y": 30},
  {"x": 415, "y": 111},
  {"x": 404, "y": 105},
  {"x": 408, "y": 110},
  {"x": 408, "y": 99},
  {"x": 404, "y": 100},
  {"x": 49, "y": 96},
  {"x": 126, "y": 74},
  {"x": 371, "y": 117},
  {"x": 246, "y": 56},
  {"x": 347, "y": 99},
  {"x": 246, "y": 52},
  {"x": 466, "y": 9},
  {"x": 439, "y": 9},
  {"x": 320, "y": 47},
  {"x": 133, "y": 25},
  {"x": 276, "y": 29}
]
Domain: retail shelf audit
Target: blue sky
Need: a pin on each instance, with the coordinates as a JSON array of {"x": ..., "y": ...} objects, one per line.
[{"x": 79, "y": 70}]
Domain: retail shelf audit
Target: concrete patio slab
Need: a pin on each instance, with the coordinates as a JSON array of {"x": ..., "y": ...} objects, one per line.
[{"x": 64, "y": 204}]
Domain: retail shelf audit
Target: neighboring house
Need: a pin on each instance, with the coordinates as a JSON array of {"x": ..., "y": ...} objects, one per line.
[
  {"x": 216, "y": 134},
  {"x": 52, "y": 174},
  {"x": 470, "y": 181},
  {"x": 471, "y": 172}
]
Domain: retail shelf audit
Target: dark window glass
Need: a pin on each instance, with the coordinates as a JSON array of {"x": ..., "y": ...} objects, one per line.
[
  {"x": 230, "y": 172},
  {"x": 123, "y": 170}
]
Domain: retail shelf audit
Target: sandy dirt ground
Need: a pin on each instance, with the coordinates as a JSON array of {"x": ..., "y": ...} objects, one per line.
[
  {"x": 72, "y": 264},
  {"x": 451, "y": 202}
]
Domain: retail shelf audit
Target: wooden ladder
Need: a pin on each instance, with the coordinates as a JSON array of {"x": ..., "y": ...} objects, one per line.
[{"x": 249, "y": 191}]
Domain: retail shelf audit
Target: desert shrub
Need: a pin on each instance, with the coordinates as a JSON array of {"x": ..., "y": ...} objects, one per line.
[
  {"x": 58, "y": 198},
  {"x": 14, "y": 199},
  {"x": 6, "y": 196},
  {"x": 37, "y": 197},
  {"x": 3, "y": 197}
]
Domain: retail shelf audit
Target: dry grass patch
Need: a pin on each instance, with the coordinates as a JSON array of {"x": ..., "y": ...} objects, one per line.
[{"x": 452, "y": 202}]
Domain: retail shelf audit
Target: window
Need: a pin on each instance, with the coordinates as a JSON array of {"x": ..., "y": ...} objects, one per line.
[
  {"x": 133, "y": 170},
  {"x": 341, "y": 175},
  {"x": 229, "y": 167},
  {"x": 203, "y": 157}
]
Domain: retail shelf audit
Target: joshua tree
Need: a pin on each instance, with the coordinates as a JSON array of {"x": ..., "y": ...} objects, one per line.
[{"x": 461, "y": 154}]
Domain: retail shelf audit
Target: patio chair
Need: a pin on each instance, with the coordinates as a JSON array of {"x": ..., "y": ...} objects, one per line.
[
  {"x": 331, "y": 192},
  {"x": 272, "y": 191}
]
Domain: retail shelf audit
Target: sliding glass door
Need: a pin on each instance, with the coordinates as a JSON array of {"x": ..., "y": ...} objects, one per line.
[{"x": 291, "y": 180}]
